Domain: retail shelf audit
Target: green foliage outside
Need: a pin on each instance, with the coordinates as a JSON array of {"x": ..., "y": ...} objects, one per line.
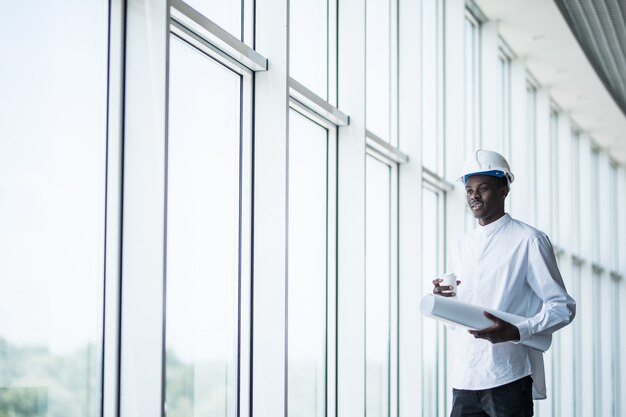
[{"x": 37, "y": 383}]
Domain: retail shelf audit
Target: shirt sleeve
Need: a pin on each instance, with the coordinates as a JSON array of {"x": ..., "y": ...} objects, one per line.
[{"x": 543, "y": 276}]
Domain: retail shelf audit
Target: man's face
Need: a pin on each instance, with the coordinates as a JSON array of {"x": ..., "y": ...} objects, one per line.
[{"x": 485, "y": 197}]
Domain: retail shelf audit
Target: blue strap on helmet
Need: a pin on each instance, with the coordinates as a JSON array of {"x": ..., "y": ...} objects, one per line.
[{"x": 494, "y": 173}]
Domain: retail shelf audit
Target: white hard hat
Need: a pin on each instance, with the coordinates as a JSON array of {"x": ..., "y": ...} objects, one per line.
[{"x": 482, "y": 162}]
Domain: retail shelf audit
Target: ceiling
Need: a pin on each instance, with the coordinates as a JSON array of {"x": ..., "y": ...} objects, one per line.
[{"x": 537, "y": 32}]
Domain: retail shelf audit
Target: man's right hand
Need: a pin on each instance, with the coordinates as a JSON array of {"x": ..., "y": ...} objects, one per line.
[{"x": 443, "y": 290}]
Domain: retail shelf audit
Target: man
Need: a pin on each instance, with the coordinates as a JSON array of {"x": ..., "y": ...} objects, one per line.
[{"x": 506, "y": 265}]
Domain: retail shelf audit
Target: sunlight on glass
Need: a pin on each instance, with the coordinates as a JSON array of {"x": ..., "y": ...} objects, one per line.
[
  {"x": 377, "y": 286},
  {"x": 224, "y": 13},
  {"x": 202, "y": 235},
  {"x": 430, "y": 265},
  {"x": 308, "y": 144},
  {"x": 429, "y": 84},
  {"x": 471, "y": 52},
  {"x": 378, "y": 70},
  {"x": 308, "y": 44},
  {"x": 503, "y": 104},
  {"x": 53, "y": 83}
]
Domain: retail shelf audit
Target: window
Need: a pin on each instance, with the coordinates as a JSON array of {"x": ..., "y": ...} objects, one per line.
[
  {"x": 574, "y": 196},
  {"x": 432, "y": 86},
  {"x": 433, "y": 334},
  {"x": 380, "y": 286},
  {"x": 554, "y": 173},
  {"x": 595, "y": 204},
  {"x": 378, "y": 73},
  {"x": 53, "y": 155},
  {"x": 310, "y": 47},
  {"x": 225, "y": 13},
  {"x": 204, "y": 234},
  {"x": 471, "y": 82},
  {"x": 614, "y": 218},
  {"x": 311, "y": 274},
  {"x": 504, "y": 103},
  {"x": 531, "y": 140}
]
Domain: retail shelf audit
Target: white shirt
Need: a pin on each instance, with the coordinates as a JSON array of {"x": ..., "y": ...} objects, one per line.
[{"x": 508, "y": 266}]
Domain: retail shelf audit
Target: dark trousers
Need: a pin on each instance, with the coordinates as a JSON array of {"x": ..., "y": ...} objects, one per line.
[{"x": 514, "y": 399}]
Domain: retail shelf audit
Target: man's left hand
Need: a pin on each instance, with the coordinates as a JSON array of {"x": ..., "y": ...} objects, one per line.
[{"x": 501, "y": 331}]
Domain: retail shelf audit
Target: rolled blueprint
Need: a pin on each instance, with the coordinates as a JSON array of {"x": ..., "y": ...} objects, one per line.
[{"x": 471, "y": 316}]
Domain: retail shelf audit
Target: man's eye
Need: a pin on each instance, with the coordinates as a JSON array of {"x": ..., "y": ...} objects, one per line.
[{"x": 483, "y": 189}]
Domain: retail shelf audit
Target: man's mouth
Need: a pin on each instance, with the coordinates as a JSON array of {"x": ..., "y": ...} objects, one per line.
[{"x": 476, "y": 206}]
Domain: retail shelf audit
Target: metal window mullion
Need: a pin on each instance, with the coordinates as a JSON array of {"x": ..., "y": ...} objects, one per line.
[
  {"x": 439, "y": 183},
  {"x": 196, "y": 41},
  {"x": 113, "y": 233},
  {"x": 394, "y": 362},
  {"x": 331, "y": 256},
  {"x": 389, "y": 151},
  {"x": 475, "y": 11},
  {"x": 244, "y": 365},
  {"x": 189, "y": 18},
  {"x": 316, "y": 104}
]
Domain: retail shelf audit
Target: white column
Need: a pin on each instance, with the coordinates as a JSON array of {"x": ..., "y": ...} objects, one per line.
[
  {"x": 143, "y": 208},
  {"x": 269, "y": 357},
  {"x": 351, "y": 211},
  {"x": 410, "y": 207}
]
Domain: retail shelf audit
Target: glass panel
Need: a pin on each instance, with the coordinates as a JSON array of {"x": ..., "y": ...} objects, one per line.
[
  {"x": 52, "y": 207},
  {"x": 614, "y": 219},
  {"x": 377, "y": 73},
  {"x": 307, "y": 267},
  {"x": 554, "y": 167},
  {"x": 501, "y": 101},
  {"x": 430, "y": 270},
  {"x": 595, "y": 205},
  {"x": 587, "y": 322},
  {"x": 429, "y": 84},
  {"x": 503, "y": 105},
  {"x": 616, "y": 331},
  {"x": 531, "y": 134},
  {"x": 575, "y": 222},
  {"x": 471, "y": 52},
  {"x": 377, "y": 287},
  {"x": 224, "y": 13},
  {"x": 308, "y": 44},
  {"x": 202, "y": 235}
]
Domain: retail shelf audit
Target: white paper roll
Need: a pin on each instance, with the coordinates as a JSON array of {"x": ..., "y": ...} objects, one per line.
[{"x": 471, "y": 317}]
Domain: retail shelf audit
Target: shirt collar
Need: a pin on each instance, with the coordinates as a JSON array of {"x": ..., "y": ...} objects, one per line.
[{"x": 493, "y": 227}]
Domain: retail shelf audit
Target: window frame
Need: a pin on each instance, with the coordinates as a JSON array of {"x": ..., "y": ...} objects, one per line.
[
  {"x": 391, "y": 157},
  {"x": 309, "y": 105}
]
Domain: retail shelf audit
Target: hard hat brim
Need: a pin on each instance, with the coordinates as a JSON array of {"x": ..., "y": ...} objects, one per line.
[{"x": 491, "y": 173}]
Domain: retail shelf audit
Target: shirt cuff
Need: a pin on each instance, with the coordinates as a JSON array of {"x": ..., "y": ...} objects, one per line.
[{"x": 524, "y": 332}]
